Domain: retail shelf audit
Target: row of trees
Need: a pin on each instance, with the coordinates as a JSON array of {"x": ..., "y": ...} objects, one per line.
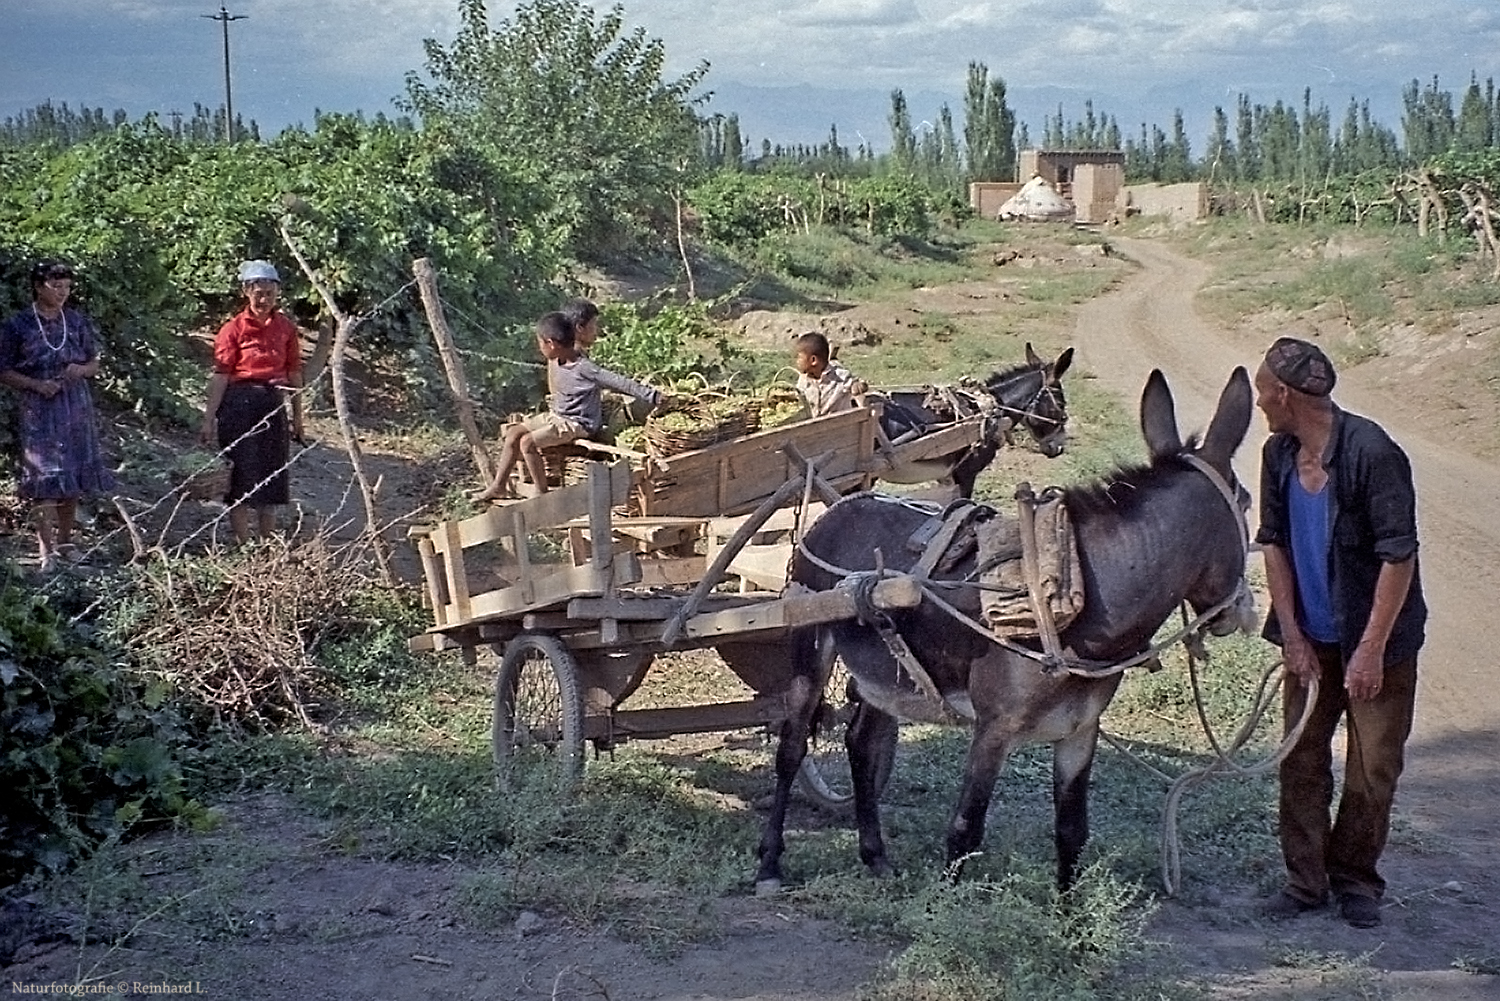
[
  {"x": 1251, "y": 143},
  {"x": 61, "y": 126}
]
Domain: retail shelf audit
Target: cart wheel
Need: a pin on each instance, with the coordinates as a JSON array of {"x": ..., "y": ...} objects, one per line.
[
  {"x": 538, "y": 711},
  {"x": 824, "y": 775}
]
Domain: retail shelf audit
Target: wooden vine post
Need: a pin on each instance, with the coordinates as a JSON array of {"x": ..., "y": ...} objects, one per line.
[
  {"x": 345, "y": 327},
  {"x": 1481, "y": 216},
  {"x": 453, "y": 365}
]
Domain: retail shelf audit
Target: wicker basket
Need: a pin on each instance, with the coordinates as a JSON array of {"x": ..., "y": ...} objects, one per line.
[
  {"x": 209, "y": 483},
  {"x": 710, "y": 428}
]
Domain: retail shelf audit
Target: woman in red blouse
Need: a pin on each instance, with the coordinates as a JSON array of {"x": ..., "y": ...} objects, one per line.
[{"x": 257, "y": 368}]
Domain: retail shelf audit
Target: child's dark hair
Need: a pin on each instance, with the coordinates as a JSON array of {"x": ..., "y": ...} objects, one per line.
[
  {"x": 555, "y": 327},
  {"x": 579, "y": 311},
  {"x": 814, "y": 344}
]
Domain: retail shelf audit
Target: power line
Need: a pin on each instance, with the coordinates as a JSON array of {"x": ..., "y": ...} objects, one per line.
[{"x": 225, "y": 17}]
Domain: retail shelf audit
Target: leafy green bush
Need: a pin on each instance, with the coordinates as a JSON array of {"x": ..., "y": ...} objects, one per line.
[
  {"x": 157, "y": 224},
  {"x": 736, "y": 208},
  {"x": 1016, "y": 938},
  {"x": 85, "y": 750},
  {"x": 668, "y": 345}
]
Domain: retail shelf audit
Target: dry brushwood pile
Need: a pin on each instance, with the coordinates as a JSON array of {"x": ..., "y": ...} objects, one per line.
[{"x": 235, "y": 631}]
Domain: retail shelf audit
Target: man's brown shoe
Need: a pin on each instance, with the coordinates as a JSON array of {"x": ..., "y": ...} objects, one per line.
[
  {"x": 1284, "y": 906},
  {"x": 1360, "y": 911}
]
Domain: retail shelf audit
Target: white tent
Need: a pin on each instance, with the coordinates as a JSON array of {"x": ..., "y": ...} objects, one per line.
[{"x": 1037, "y": 201}]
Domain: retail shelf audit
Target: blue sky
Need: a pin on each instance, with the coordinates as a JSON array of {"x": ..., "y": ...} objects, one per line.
[{"x": 789, "y": 69}]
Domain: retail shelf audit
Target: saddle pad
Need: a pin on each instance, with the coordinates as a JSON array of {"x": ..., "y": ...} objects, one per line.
[{"x": 1004, "y": 602}]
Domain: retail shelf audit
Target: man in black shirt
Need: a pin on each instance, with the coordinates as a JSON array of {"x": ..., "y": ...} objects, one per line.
[{"x": 1339, "y": 536}]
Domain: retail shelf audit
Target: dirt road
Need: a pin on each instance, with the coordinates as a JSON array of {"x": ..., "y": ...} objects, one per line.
[{"x": 1450, "y": 793}]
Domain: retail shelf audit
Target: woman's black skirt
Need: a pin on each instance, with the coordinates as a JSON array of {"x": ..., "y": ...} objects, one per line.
[{"x": 253, "y": 426}]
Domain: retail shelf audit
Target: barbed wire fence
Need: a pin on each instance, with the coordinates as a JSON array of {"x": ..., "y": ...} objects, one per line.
[{"x": 134, "y": 515}]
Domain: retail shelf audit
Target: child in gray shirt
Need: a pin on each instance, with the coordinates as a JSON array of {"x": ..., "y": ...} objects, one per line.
[{"x": 577, "y": 410}]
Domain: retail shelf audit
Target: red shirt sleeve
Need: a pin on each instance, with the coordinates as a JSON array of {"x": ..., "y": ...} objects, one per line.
[{"x": 227, "y": 348}]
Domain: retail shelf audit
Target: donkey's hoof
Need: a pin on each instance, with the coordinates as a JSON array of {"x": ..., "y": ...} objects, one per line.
[
  {"x": 881, "y": 869},
  {"x": 767, "y": 887}
]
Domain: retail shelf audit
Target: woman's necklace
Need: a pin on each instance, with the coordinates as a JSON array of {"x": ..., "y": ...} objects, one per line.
[{"x": 42, "y": 329}]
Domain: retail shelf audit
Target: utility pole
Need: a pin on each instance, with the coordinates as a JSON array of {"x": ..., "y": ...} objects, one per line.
[{"x": 225, "y": 17}]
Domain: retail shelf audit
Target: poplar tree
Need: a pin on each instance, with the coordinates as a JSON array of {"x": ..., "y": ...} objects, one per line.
[{"x": 903, "y": 140}]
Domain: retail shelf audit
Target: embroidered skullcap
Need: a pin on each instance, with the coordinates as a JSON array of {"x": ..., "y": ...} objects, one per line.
[
  {"x": 258, "y": 271},
  {"x": 49, "y": 268},
  {"x": 1302, "y": 366}
]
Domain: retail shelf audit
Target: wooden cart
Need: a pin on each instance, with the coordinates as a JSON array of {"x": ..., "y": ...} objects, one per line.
[{"x": 574, "y": 636}]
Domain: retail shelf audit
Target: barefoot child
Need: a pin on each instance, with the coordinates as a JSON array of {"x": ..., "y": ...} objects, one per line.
[{"x": 576, "y": 409}]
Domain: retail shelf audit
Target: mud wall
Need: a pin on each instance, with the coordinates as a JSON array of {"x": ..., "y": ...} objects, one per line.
[
  {"x": 1179, "y": 202},
  {"x": 986, "y": 197}
]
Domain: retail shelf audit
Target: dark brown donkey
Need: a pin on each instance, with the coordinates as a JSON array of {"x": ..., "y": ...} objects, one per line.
[
  {"x": 1148, "y": 537},
  {"x": 1029, "y": 396}
]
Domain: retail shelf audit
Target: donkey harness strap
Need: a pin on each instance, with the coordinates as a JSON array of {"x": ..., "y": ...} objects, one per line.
[
  {"x": 863, "y": 586},
  {"x": 955, "y": 519}
]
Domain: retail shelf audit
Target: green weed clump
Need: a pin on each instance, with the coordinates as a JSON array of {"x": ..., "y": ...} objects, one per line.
[
  {"x": 1016, "y": 937},
  {"x": 87, "y": 749}
]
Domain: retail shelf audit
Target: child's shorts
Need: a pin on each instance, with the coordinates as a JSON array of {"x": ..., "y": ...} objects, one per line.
[{"x": 549, "y": 430}]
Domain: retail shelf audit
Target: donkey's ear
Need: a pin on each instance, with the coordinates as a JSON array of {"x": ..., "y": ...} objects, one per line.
[
  {"x": 1159, "y": 418},
  {"x": 1032, "y": 358},
  {"x": 1061, "y": 365},
  {"x": 1230, "y": 422}
]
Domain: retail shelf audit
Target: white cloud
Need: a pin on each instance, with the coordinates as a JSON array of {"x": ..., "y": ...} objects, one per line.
[{"x": 292, "y": 55}]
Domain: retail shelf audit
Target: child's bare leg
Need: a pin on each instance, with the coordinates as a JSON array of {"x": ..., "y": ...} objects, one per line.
[
  {"x": 535, "y": 464},
  {"x": 510, "y": 450},
  {"x": 239, "y": 523}
]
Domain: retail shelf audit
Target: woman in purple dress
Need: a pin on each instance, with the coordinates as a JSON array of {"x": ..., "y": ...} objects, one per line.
[{"x": 48, "y": 353}]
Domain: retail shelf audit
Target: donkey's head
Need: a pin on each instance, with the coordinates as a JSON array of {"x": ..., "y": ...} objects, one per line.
[
  {"x": 1220, "y": 529},
  {"x": 1031, "y": 396}
]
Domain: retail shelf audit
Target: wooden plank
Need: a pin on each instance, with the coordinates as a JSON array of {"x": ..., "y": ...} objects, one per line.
[
  {"x": 651, "y": 533},
  {"x": 544, "y": 511},
  {"x": 432, "y": 574},
  {"x": 800, "y": 610},
  {"x": 779, "y": 523},
  {"x": 518, "y": 534},
  {"x": 600, "y": 502},
  {"x": 548, "y": 590},
  {"x": 427, "y": 643},
  {"x": 671, "y": 571},
  {"x": 736, "y": 475},
  {"x": 763, "y": 566},
  {"x": 628, "y": 609},
  {"x": 456, "y": 574},
  {"x": 652, "y": 724},
  {"x": 783, "y": 495},
  {"x": 943, "y": 441}
]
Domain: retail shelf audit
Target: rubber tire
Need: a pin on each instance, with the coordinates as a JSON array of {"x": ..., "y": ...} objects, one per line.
[
  {"x": 538, "y": 719},
  {"x": 824, "y": 775}
]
